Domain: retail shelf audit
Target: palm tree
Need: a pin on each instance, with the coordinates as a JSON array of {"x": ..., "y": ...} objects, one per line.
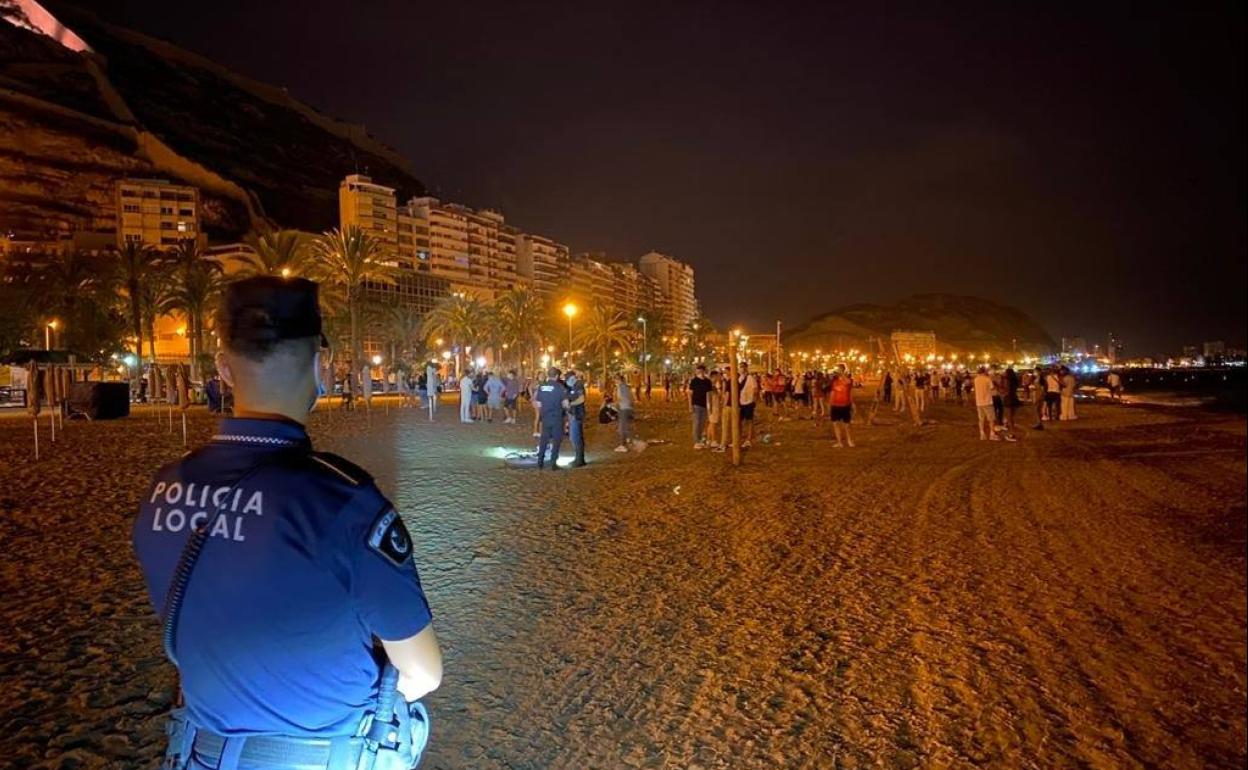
[
  {"x": 604, "y": 329},
  {"x": 196, "y": 281},
  {"x": 136, "y": 265},
  {"x": 400, "y": 328},
  {"x": 155, "y": 300},
  {"x": 461, "y": 318},
  {"x": 349, "y": 259},
  {"x": 280, "y": 252},
  {"x": 518, "y": 316}
]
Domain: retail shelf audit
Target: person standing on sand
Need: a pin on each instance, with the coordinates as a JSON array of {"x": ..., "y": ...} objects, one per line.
[
  {"x": 841, "y": 406},
  {"x": 433, "y": 384},
  {"x": 494, "y": 388},
  {"x": 1052, "y": 394},
  {"x": 272, "y": 607},
  {"x": 466, "y": 399},
  {"x": 1115, "y": 386},
  {"x": 699, "y": 387},
  {"x": 1037, "y": 397},
  {"x": 511, "y": 395},
  {"x": 985, "y": 413},
  {"x": 1068, "y": 386},
  {"x": 624, "y": 406},
  {"x": 551, "y": 401},
  {"x": 747, "y": 393}
]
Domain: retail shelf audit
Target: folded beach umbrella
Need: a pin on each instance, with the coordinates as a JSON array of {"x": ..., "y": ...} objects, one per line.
[
  {"x": 184, "y": 391},
  {"x": 32, "y": 388}
]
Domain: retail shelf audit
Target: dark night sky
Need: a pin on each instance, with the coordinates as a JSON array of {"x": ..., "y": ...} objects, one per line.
[{"x": 1085, "y": 162}]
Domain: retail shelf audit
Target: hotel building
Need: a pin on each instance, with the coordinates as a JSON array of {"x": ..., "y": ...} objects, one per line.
[
  {"x": 674, "y": 279},
  {"x": 156, "y": 213}
]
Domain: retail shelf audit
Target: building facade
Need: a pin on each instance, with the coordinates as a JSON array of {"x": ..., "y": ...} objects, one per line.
[
  {"x": 674, "y": 279},
  {"x": 157, "y": 213},
  {"x": 542, "y": 264}
]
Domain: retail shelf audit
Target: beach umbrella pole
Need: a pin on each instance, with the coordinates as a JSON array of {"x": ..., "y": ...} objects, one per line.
[
  {"x": 184, "y": 429},
  {"x": 36, "y": 421},
  {"x": 52, "y": 422}
]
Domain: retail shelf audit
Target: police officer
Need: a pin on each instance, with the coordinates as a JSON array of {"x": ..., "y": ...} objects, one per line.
[
  {"x": 296, "y": 565},
  {"x": 576, "y": 416},
  {"x": 551, "y": 399}
]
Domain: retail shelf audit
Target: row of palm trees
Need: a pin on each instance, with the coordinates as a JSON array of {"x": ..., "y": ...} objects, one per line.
[{"x": 143, "y": 284}]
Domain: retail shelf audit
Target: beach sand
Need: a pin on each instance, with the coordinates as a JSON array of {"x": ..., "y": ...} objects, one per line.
[{"x": 1073, "y": 600}]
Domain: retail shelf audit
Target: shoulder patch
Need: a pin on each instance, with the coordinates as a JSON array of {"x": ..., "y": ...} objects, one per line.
[
  {"x": 345, "y": 469},
  {"x": 389, "y": 537}
]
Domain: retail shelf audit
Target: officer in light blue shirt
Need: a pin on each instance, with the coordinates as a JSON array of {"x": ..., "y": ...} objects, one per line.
[
  {"x": 551, "y": 399},
  {"x": 303, "y": 588}
]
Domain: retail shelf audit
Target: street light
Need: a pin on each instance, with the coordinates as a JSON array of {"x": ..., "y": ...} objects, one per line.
[
  {"x": 569, "y": 310},
  {"x": 645, "y": 354},
  {"x": 47, "y": 333}
]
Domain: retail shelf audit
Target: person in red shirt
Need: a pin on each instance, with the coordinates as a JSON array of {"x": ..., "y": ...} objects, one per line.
[{"x": 841, "y": 406}]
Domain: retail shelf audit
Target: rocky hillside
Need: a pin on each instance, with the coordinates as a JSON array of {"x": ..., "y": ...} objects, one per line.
[
  {"x": 962, "y": 324},
  {"x": 72, "y": 123}
]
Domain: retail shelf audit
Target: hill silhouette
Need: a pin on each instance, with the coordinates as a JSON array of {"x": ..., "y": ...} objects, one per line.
[
  {"x": 961, "y": 324},
  {"x": 138, "y": 106}
]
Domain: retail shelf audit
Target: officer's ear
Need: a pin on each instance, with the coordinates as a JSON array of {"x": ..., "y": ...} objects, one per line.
[{"x": 223, "y": 367}]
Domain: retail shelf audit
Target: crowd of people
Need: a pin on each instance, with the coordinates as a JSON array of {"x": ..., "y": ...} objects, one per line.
[{"x": 558, "y": 400}]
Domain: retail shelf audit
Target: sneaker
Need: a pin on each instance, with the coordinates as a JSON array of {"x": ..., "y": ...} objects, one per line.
[
  {"x": 745, "y": 444},
  {"x": 699, "y": 445},
  {"x": 621, "y": 448},
  {"x": 537, "y": 435},
  {"x": 718, "y": 448}
]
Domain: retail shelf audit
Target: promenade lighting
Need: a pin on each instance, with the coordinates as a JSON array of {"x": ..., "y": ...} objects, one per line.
[{"x": 47, "y": 333}]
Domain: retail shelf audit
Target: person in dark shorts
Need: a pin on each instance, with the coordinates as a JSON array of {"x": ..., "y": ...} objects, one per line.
[{"x": 841, "y": 406}]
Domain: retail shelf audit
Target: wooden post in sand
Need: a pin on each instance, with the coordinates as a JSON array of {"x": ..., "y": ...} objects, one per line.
[
  {"x": 734, "y": 407},
  {"x": 32, "y": 399}
]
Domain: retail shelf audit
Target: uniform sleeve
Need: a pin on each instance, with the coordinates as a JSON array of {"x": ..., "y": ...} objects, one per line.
[{"x": 385, "y": 587}]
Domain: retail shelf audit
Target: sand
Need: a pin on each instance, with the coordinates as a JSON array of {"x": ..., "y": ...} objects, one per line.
[{"x": 1074, "y": 600}]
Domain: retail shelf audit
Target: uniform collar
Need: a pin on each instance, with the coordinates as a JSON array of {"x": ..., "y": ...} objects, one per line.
[{"x": 252, "y": 431}]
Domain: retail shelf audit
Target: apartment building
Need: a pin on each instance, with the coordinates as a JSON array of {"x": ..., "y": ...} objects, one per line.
[
  {"x": 156, "y": 213},
  {"x": 541, "y": 264},
  {"x": 371, "y": 207},
  {"x": 632, "y": 290},
  {"x": 674, "y": 280}
]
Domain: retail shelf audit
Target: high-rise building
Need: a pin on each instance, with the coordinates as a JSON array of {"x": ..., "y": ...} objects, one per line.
[
  {"x": 677, "y": 300},
  {"x": 156, "y": 213},
  {"x": 371, "y": 207},
  {"x": 477, "y": 251},
  {"x": 632, "y": 290},
  {"x": 541, "y": 263},
  {"x": 590, "y": 280}
]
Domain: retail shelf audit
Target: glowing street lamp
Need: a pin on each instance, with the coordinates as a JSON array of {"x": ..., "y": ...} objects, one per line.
[
  {"x": 285, "y": 272},
  {"x": 47, "y": 333},
  {"x": 377, "y": 360}
]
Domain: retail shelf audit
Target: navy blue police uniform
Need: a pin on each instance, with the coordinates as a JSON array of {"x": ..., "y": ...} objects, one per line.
[
  {"x": 576, "y": 417},
  {"x": 551, "y": 394},
  {"x": 304, "y": 564}
]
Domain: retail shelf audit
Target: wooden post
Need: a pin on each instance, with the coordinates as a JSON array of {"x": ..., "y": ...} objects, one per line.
[{"x": 734, "y": 407}]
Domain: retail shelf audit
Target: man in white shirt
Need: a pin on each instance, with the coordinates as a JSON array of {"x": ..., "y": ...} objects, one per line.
[
  {"x": 983, "y": 405},
  {"x": 433, "y": 383},
  {"x": 465, "y": 397}
]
